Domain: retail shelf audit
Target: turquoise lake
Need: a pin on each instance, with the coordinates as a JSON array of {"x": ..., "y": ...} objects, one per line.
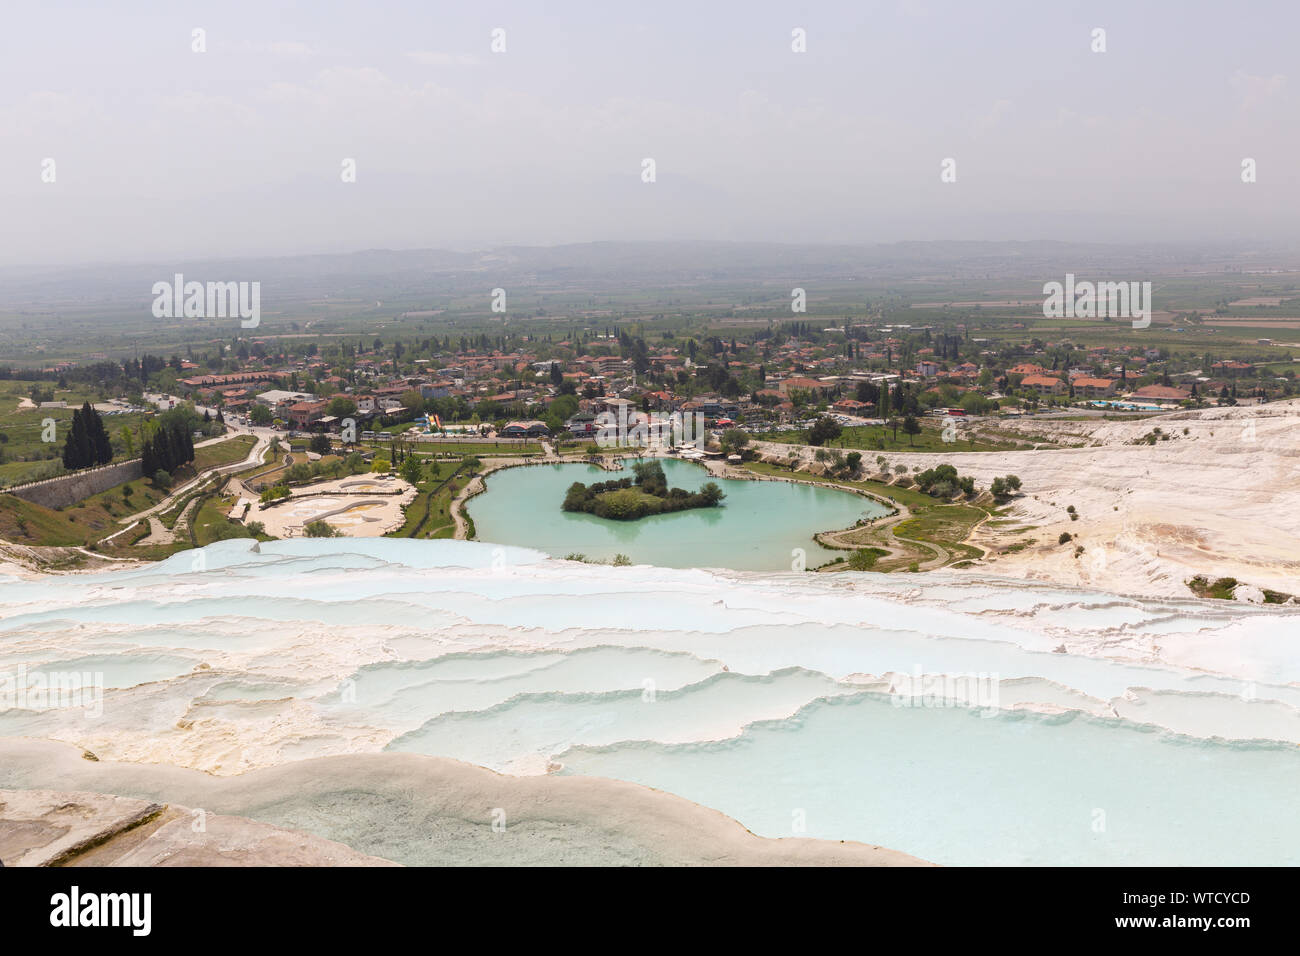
[{"x": 757, "y": 527}]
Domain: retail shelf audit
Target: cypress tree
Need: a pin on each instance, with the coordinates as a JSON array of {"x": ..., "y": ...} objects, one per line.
[
  {"x": 148, "y": 458},
  {"x": 79, "y": 451},
  {"x": 101, "y": 445},
  {"x": 70, "y": 460},
  {"x": 175, "y": 450},
  {"x": 85, "y": 443}
]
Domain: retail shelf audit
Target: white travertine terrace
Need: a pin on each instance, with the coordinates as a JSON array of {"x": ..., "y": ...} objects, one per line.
[{"x": 526, "y": 665}]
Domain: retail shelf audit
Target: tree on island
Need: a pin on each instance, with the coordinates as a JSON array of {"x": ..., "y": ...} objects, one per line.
[{"x": 626, "y": 499}]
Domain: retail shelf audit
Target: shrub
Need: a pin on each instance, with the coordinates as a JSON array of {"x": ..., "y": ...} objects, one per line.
[
  {"x": 864, "y": 559},
  {"x": 319, "y": 529},
  {"x": 226, "y": 530},
  {"x": 274, "y": 493},
  {"x": 1064, "y": 538}
]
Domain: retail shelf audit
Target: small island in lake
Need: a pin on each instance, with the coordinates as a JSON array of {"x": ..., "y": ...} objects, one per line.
[{"x": 627, "y": 499}]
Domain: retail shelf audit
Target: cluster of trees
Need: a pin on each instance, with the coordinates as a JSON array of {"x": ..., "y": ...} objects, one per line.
[
  {"x": 1003, "y": 488},
  {"x": 837, "y": 462},
  {"x": 168, "y": 444},
  {"x": 942, "y": 481},
  {"x": 87, "y": 444},
  {"x": 626, "y": 499},
  {"x": 351, "y": 464}
]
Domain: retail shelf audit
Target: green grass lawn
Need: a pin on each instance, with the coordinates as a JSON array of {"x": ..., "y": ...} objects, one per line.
[
  {"x": 210, "y": 523},
  {"x": 932, "y": 520},
  {"x": 946, "y": 527},
  {"x": 223, "y": 453},
  {"x": 429, "y": 515},
  {"x": 26, "y": 523}
]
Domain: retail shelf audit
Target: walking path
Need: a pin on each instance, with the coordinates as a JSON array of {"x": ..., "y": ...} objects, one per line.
[{"x": 158, "y": 533}]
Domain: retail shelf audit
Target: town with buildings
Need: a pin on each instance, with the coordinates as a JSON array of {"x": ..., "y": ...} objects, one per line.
[{"x": 528, "y": 388}]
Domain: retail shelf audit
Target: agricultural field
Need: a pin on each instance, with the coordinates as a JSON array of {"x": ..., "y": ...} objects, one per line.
[{"x": 25, "y": 455}]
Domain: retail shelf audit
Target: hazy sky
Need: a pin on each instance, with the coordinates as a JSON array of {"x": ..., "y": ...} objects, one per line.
[{"x": 164, "y": 153}]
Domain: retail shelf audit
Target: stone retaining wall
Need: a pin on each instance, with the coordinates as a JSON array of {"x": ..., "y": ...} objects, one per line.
[{"x": 69, "y": 489}]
